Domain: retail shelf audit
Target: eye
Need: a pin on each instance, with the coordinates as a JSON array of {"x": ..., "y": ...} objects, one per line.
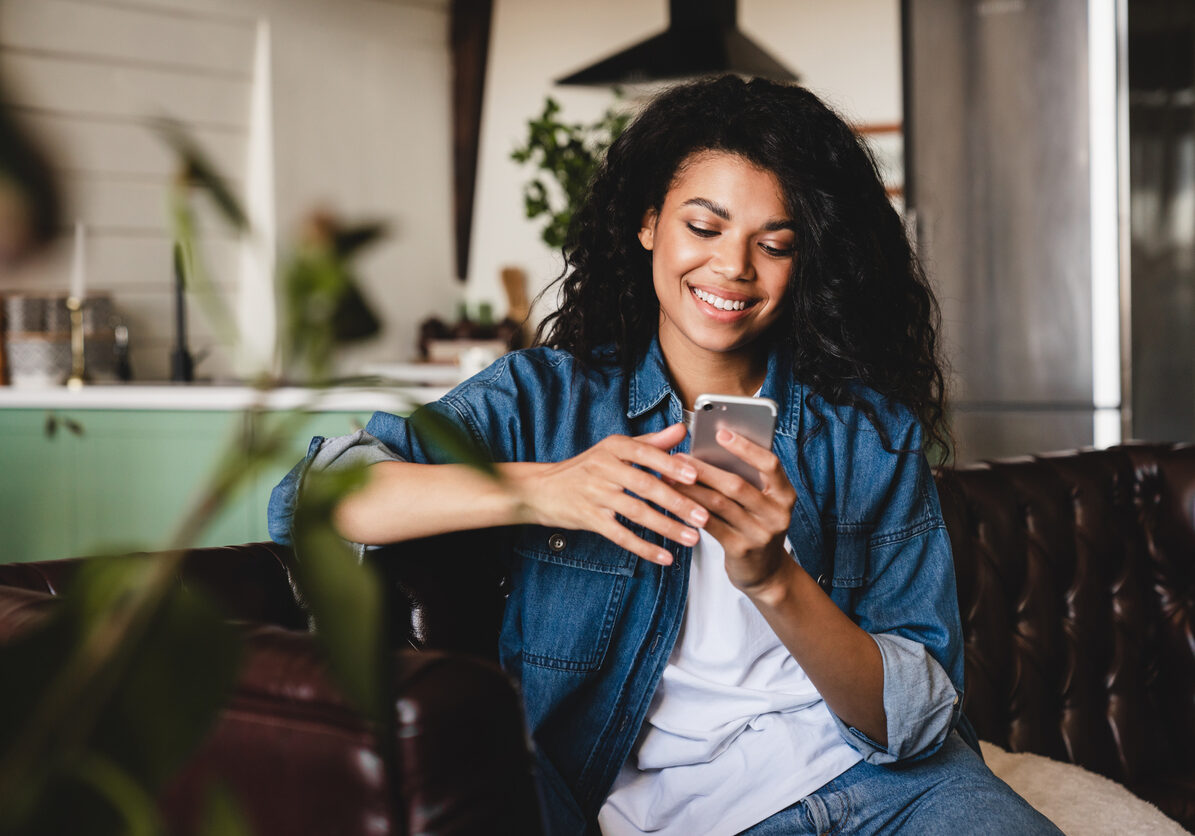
[
  {"x": 777, "y": 252},
  {"x": 701, "y": 231}
]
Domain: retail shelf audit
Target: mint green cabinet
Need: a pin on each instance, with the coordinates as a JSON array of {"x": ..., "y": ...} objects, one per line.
[{"x": 130, "y": 478}]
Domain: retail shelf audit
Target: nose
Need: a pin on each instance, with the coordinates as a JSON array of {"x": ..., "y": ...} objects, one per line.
[{"x": 731, "y": 258}]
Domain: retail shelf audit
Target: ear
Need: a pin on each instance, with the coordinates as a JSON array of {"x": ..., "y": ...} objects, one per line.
[{"x": 647, "y": 231}]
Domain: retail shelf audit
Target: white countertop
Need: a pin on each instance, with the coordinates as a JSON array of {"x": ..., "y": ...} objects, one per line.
[{"x": 201, "y": 396}]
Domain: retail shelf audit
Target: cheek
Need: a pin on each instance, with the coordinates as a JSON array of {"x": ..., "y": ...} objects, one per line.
[
  {"x": 777, "y": 289},
  {"x": 677, "y": 253}
]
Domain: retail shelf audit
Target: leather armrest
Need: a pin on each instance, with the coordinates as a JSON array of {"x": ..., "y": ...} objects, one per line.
[
  {"x": 251, "y": 582},
  {"x": 300, "y": 760}
]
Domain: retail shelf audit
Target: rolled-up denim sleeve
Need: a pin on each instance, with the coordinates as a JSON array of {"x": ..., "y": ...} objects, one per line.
[
  {"x": 386, "y": 437},
  {"x": 902, "y": 588},
  {"x": 911, "y": 612},
  {"x": 357, "y": 449}
]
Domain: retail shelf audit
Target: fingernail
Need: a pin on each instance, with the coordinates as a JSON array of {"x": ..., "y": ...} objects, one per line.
[
  {"x": 664, "y": 557},
  {"x": 688, "y": 473},
  {"x": 725, "y": 436},
  {"x": 699, "y": 516},
  {"x": 689, "y": 538}
]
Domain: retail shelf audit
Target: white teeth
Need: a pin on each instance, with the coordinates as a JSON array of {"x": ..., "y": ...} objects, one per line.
[{"x": 718, "y": 302}]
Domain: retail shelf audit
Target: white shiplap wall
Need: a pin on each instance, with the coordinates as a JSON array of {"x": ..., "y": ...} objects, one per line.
[
  {"x": 361, "y": 125},
  {"x": 86, "y": 75}
]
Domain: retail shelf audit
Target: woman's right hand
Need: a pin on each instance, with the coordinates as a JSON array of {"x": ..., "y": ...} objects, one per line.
[{"x": 589, "y": 490}]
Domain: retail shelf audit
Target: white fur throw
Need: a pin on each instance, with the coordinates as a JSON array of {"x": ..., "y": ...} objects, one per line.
[{"x": 1080, "y": 802}]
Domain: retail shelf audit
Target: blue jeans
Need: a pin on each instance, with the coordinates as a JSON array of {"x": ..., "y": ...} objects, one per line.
[{"x": 950, "y": 793}]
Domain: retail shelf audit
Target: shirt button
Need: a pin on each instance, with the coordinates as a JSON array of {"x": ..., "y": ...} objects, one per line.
[
  {"x": 823, "y": 582},
  {"x": 557, "y": 542}
]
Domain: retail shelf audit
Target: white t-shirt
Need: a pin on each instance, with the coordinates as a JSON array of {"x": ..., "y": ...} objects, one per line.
[{"x": 735, "y": 732}]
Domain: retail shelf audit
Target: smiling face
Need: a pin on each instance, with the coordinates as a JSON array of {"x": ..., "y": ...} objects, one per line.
[{"x": 722, "y": 252}]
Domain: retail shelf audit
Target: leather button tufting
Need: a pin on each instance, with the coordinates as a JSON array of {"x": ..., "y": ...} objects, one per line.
[{"x": 557, "y": 542}]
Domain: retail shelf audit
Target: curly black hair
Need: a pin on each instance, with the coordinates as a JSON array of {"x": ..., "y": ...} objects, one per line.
[{"x": 860, "y": 308}]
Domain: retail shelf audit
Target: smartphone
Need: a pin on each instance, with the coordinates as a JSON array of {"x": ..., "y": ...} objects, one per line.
[{"x": 753, "y": 418}]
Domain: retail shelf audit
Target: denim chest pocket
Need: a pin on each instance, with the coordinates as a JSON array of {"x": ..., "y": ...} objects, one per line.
[{"x": 567, "y": 589}]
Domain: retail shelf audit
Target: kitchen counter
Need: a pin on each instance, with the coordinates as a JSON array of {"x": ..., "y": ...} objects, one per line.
[{"x": 207, "y": 397}]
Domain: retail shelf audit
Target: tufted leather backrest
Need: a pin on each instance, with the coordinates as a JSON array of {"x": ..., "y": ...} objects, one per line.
[{"x": 1076, "y": 577}]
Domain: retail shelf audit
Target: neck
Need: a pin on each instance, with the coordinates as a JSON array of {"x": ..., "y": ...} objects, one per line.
[{"x": 695, "y": 373}]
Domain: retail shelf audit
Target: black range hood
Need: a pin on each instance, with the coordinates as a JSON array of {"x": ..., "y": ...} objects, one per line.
[{"x": 702, "y": 38}]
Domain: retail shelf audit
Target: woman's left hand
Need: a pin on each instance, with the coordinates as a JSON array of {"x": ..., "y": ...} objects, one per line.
[{"x": 750, "y": 522}]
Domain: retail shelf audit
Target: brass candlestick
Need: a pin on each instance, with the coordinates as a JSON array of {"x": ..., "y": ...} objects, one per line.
[{"x": 78, "y": 361}]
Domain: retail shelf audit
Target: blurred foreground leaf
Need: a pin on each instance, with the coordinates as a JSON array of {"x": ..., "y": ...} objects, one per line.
[
  {"x": 343, "y": 594},
  {"x": 222, "y": 816},
  {"x": 452, "y": 442},
  {"x": 197, "y": 170},
  {"x": 120, "y": 685},
  {"x": 30, "y": 206}
]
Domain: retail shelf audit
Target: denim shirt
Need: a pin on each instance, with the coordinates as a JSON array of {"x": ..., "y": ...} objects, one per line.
[{"x": 589, "y": 627}]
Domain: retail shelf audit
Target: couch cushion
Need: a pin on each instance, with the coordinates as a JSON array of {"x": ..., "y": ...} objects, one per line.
[{"x": 1076, "y": 800}]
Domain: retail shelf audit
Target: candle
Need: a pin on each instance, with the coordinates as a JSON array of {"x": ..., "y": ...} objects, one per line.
[{"x": 78, "y": 265}]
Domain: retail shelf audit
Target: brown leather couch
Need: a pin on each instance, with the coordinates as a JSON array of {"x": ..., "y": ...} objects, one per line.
[
  {"x": 1076, "y": 583},
  {"x": 1076, "y": 576},
  {"x": 298, "y": 759}
]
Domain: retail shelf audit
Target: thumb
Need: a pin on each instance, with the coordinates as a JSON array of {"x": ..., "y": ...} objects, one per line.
[{"x": 666, "y": 438}]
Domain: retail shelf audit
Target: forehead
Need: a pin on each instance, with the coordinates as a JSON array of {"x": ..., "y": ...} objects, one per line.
[{"x": 725, "y": 177}]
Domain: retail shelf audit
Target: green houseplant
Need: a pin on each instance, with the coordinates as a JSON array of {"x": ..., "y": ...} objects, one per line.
[{"x": 565, "y": 156}]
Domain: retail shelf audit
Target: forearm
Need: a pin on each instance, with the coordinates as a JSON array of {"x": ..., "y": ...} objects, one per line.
[
  {"x": 405, "y": 501},
  {"x": 840, "y": 658}
]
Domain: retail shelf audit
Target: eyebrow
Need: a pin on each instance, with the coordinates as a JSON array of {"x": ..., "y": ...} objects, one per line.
[{"x": 724, "y": 213}]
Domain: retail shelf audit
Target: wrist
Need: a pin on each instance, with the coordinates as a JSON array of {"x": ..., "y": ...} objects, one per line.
[
  {"x": 780, "y": 589},
  {"x": 518, "y": 483}
]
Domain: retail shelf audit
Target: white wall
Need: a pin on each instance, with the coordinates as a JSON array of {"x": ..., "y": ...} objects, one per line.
[
  {"x": 361, "y": 125},
  {"x": 848, "y": 52}
]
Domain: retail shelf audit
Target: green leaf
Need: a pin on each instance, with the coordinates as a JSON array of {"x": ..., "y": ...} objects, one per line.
[
  {"x": 222, "y": 815},
  {"x": 198, "y": 169},
  {"x": 569, "y": 153},
  {"x": 137, "y": 809},
  {"x": 344, "y": 595},
  {"x": 71, "y": 804},
  {"x": 173, "y": 690},
  {"x": 137, "y": 676},
  {"x": 453, "y": 443},
  {"x": 31, "y": 660}
]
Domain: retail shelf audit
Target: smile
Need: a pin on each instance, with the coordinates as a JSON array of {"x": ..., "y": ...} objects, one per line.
[{"x": 720, "y": 303}]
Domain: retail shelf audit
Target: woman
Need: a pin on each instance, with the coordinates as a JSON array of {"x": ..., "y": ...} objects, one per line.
[{"x": 699, "y": 654}]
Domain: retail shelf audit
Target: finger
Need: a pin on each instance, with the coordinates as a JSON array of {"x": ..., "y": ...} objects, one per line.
[
  {"x": 666, "y": 438},
  {"x": 638, "y": 511},
  {"x": 723, "y": 481},
  {"x": 721, "y": 507},
  {"x": 621, "y": 536},
  {"x": 662, "y": 492},
  {"x": 761, "y": 458},
  {"x": 730, "y": 524},
  {"x": 647, "y": 454}
]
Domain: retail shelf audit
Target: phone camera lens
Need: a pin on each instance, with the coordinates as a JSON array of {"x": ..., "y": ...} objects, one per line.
[{"x": 707, "y": 407}]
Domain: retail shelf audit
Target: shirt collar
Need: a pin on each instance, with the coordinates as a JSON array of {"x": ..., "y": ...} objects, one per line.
[{"x": 650, "y": 385}]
